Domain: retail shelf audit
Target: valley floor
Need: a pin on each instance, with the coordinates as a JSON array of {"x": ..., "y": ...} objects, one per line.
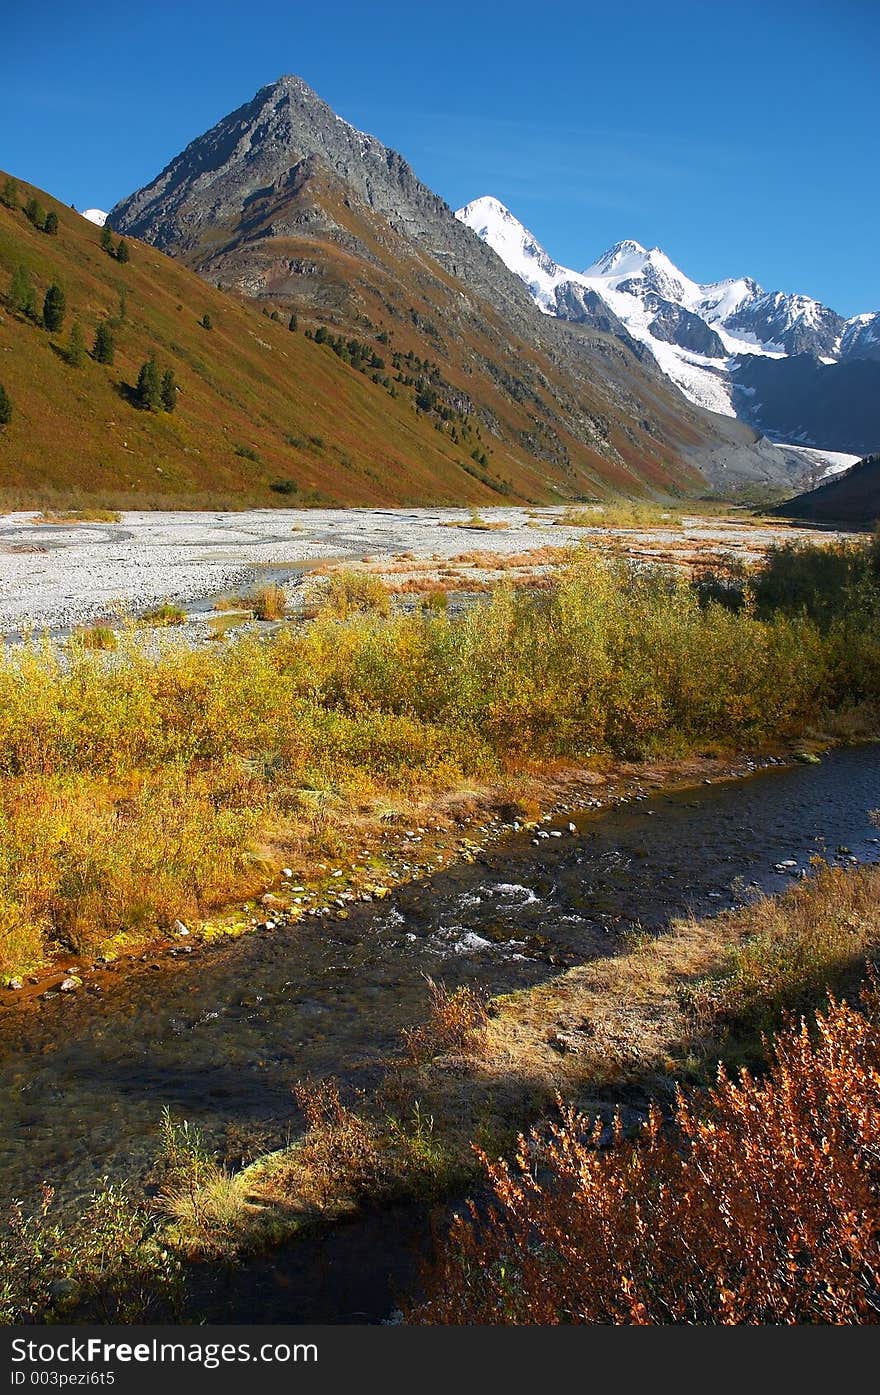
[{"x": 61, "y": 574}]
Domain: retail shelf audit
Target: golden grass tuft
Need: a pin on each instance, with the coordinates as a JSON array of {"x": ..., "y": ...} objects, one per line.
[
  {"x": 269, "y": 602},
  {"x": 90, "y": 515},
  {"x": 95, "y": 637},
  {"x": 621, "y": 514}
]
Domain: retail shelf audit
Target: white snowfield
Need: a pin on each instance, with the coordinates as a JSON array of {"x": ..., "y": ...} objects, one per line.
[
  {"x": 625, "y": 278},
  {"x": 95, "y": 215},
  {"x": 56, "y": 576}
]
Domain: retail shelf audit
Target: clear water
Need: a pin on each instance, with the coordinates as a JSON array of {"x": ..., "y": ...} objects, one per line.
[{"x": 222, "y": 1035}]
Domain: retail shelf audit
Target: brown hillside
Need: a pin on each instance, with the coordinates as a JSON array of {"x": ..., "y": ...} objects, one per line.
[{"x": 246, "y": 385}]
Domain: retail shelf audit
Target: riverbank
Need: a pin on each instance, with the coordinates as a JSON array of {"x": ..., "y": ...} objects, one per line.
[
  {"x": 614, "y": 1034},
  {"x": 288, "y": 777}
]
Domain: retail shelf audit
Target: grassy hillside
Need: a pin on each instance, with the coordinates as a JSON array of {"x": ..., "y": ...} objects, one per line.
[{"x": 258, "y": 405}]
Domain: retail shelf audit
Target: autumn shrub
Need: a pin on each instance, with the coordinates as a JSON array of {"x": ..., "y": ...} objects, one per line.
[
  {"x": 455, "y": 1023},
  {"x": 339, "y": 1153},
  {"x": 758, "y": 1203},
  {"x": 136, "y": 787}
]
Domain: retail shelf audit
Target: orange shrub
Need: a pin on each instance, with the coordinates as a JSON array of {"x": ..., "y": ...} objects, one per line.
[{"x": 758, "y": 1204}]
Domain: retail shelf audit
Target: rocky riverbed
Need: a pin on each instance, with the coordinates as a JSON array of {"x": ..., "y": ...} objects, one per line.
[{"x": 58, "y": 575}]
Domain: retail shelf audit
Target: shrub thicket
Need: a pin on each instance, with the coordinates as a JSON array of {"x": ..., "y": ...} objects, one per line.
[
  {"x": 759, "y": 1204},
  {"x": 603, "y": 660}
]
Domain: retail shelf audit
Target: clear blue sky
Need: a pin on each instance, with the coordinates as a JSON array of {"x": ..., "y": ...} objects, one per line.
[{"x": 741, "y": 138}]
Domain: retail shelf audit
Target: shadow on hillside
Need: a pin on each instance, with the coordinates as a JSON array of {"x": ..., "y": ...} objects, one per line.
[{"x": 128, "y": 393}]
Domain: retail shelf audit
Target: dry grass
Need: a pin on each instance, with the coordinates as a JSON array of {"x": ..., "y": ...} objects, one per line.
[
  {"x": 269, "y": 602},
  {"x": 165, "y": 614},
  {"x": 456, "y": 1023},
  {"x": 621, "y": 514},
  {"x": 478, "y": 523},
  {"x": 92, "y": 515},
  {"x": 97, "y": 636}
]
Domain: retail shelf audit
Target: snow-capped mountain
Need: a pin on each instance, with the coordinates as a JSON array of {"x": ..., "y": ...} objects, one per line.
[
  {"x": 95, "y": 215},
  {"x": 699, "y": 334}
]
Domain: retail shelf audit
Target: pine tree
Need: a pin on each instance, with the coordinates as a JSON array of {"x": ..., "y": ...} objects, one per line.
[
  {"x": 104, "y": 347},
  {"x": 76, "y": 346},
  {"x": 169, "y": 390},
  {"x": 206, "y": 322},
  {"x": 292, "y": 324},
  {"x": 107, "y": 238},
  {"x": 148, "y": 393},
  {"x": 5, "y": 407},
  {"x": 122, "y": 252},
  {"x": 9, "y": 197},
  {"x": 50, "y": 226},
  {"x": 54, "y": 308},
  {"x": 34, "y": 213},
  {"x": 22, "y": 293}
]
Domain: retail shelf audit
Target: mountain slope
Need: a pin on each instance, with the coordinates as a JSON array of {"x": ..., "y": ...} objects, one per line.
[
  {"x": 258, "y": 405},
  {"x": 852, "y": 498},
  {"x": 716, "y": 340},
  {"x": 285, "y": 201}
]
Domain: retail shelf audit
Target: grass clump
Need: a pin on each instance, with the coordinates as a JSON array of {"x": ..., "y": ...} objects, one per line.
[
  {"x": 351, "y": 593},
  {"x": 454, "y": 1024},
  {"x": 165, "y": 614},
  {"x": 478, "y": 523},
  {"x": 269, "y": 602},
  {"x": 95, "y": 637},
  {"x": 91, "y": 515}
]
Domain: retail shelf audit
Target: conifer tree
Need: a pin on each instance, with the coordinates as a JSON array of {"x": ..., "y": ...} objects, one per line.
[
  {"x": 5, "y": 407},
  {"x": 169, "y": 390},
  {"x": 206, "y": 322},
  {"x": 9, "y": 197},
  {"x": 50, "y": 225},
  {"x": 76, "y": 346},
  {"x": 54, "y": 308},
  {"x": 149, "y": 387},
  {"x": 107, "y": 238},
  {"x": 22, "y": 293},
  {"x": 122, "y": 253},
  {"x": 104, "y": 346},
  {"x": 34, "y": 213},
  {"x": 292, "y": 324}
]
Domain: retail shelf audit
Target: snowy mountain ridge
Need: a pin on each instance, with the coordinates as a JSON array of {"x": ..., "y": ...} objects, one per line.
[{"x": 698, "y": 333}]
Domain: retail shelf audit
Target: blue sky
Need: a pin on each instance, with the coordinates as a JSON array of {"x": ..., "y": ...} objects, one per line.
[{"x": 742, "y": 139}]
